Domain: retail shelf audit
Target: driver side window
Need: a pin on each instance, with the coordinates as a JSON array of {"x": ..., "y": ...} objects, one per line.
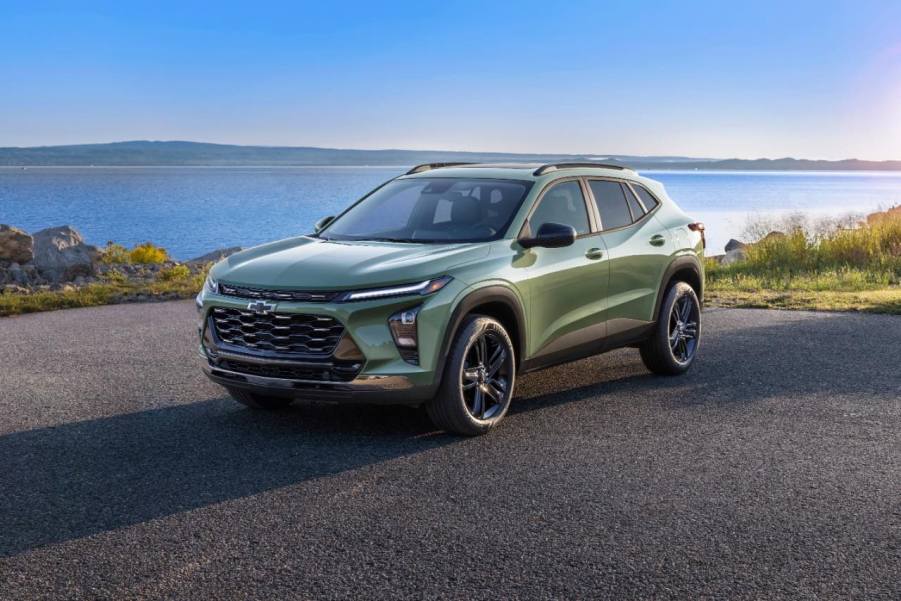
[{"x": 563, "y": 203}]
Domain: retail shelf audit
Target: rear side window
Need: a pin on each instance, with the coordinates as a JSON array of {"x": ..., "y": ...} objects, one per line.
[
  {"x": 611, "y": 203},
  {"x": 647, "y": 199},
  {"x": 563, "y": 204},
  {"x": 634, "y": 205}
]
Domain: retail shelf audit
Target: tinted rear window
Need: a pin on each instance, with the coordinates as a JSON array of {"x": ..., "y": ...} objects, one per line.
[
  {"x": 611, "y": 203},
  {"x": 646, "y": 197}
]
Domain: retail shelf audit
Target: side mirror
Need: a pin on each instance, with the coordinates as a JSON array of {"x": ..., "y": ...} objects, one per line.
[
  {"x": 322, "y": 223},
  {"x": 550, "y": 235}
]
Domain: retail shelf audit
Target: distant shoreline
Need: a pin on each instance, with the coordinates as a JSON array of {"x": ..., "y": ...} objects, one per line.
[
  {"x": 640, "y": 169},
  {"x": 144, "y": 153}
]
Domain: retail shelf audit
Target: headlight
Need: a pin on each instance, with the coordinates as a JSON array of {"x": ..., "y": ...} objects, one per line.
[
  {"x": 420, "y": 288},
  {"x": 211, "y": 285}
]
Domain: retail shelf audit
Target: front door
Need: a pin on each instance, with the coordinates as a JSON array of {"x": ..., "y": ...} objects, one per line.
[{"x": 567, "y": 287}]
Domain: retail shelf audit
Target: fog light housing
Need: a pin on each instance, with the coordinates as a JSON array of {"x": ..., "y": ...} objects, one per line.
[{"x": 403, "y": 326}]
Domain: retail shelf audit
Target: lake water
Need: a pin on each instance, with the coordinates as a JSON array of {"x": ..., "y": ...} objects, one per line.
[{"x": 191, "y": 211}]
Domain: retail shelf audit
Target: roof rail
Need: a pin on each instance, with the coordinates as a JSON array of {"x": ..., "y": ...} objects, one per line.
[
  {"x": 555, "y": 166},
  {"x": 430, "y": 166}
]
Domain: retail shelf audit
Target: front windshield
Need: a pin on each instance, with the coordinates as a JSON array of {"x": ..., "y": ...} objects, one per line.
[{"x": 432, "y": 210}]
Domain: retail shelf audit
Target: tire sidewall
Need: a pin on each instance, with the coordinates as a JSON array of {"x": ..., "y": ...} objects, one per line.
[
  {"x": 677, "y": 291},
  {"x": 472, "y": 329}
]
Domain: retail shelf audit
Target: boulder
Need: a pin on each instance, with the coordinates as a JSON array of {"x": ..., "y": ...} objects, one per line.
[
  {"x": 16, "y": 246},
  {"x": 735, "y": 255},
  {"x": 732, "y": 244},
  {"x": 216, "y": 255},
  {"x": 60, "y": 254}
]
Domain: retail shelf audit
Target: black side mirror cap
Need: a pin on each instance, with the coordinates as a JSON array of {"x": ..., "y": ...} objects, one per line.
[
  {"x": 322, "y": 223},
  {"x": 550, "y": 235}
]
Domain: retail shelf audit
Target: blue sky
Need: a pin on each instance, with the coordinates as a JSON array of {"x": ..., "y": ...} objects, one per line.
[{"x": 718, "y": 79}]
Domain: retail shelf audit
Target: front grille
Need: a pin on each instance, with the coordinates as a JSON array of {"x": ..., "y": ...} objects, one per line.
[
  {"x": 278, "y": 332},
  {"x": 325, "y": 373},
  {"x": 278, "y": 295}
]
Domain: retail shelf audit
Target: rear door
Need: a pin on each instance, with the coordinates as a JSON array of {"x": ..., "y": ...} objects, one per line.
[{"x": 638, "y": 249}]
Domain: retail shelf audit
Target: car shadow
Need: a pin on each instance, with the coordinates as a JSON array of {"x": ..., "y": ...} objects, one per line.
[{"x": 78, "y": 479}]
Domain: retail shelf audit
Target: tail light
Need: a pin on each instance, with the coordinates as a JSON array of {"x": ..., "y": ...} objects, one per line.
[{"x": 699, "y": 227}]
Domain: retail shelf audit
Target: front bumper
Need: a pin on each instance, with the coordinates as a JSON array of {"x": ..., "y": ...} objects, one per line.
[
  {"x": 382, "y": 376},
  {"x": 362, "y": 389}
]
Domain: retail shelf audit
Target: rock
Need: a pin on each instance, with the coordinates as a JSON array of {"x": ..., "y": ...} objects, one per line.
[
  {"x": 772, "y": 235},
  {"x": 216, "y": 255},
  {"x": 15, "y": 245},
  {"x": 13, "y": 289},
  {"x": 732, "y": 244},
  {"x": 734, "y": 256},
  {"x": 60, "y": 254}
]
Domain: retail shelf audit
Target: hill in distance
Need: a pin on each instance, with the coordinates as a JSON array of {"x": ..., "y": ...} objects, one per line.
[{"x": 178, "y": 153}]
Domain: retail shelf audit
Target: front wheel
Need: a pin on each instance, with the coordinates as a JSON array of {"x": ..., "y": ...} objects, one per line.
[
  {"x": 478, "y": 379},
  {"x": 258, "y": 401},
  {"x": 672, "y": 348}
]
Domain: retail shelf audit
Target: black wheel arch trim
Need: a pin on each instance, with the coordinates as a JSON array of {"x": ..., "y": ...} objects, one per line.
[
  {"x": 482, "y": 296},
  {"x": 680, "y": 263}
]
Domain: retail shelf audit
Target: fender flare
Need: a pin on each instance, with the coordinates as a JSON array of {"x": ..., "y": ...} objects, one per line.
[
  {"x": 678, "y": 264},
  {"x": 481, "y": 296}
]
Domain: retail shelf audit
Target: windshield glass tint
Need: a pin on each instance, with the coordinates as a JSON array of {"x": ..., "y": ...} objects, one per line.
[{"x": 432, "y": 210}]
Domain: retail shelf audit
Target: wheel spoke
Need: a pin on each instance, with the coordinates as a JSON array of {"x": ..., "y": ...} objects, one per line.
[
  {"x": 482, "y": 350},
  {"x": 683, "y": 349},
  {"x": 497, "y": 361},
  {"x": 493, "y": 392},
  {"x": 478, "y": 404},
  {"x": 686, "y": 309}
]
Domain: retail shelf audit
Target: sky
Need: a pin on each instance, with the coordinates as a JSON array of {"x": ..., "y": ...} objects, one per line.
[{"x": 706, "y": 79}]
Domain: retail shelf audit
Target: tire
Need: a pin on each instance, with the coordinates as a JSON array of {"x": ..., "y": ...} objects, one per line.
[
  {"x": 672, "y": 348},
  {"x": 480, "y": 365},
  {"x": 259, "y": 401}
]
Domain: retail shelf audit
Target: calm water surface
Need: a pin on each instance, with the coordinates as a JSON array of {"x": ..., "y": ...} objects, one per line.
[{"x": 191, "y": 211}]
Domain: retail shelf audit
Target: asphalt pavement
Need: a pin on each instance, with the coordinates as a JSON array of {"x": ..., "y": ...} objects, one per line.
[{"x": 772, "y": 470}]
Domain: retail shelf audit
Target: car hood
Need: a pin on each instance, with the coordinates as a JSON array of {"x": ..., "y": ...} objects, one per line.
[{"x": 314, "y": 264}]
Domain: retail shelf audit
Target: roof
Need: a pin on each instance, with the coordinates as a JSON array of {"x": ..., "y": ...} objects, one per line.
[{"x": 523, "y": 171}]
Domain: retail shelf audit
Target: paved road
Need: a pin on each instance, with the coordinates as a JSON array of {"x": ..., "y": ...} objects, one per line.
[{"x": 772, "y": 470}]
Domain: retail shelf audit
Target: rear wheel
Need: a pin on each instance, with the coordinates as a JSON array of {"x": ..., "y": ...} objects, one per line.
[
  {"x": 672, "y": 348},
  {"x": 259, "y": 401},
  {"x": 478, "y": 379}
]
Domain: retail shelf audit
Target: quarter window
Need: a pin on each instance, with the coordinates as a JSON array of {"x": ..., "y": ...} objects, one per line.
[
  {"x": 563, "y": 204},
  {"x": 646, "y": 197},
  {"x": 611, "y": 203},
  {"x": 634, "y": 205}
]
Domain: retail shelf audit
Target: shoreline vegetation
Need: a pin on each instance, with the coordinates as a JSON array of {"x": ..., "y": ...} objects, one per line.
[
  {"x": 145, "y": 153},
  {"x": 847, "y": 264}
]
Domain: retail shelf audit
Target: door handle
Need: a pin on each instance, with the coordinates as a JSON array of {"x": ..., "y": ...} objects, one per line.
[
  {"x": 594, "y": 253},
  {"x": 658, "y": 240}
]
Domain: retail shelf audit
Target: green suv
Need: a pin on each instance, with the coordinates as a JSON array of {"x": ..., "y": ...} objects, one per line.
[{"x": 442, "y": 285}]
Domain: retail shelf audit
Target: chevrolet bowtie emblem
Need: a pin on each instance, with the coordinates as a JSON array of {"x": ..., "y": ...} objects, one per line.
[{"x": 261, "y": 307}]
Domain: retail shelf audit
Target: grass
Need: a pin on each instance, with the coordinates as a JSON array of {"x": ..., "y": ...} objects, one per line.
[
  {"x": 827, "y": 266},
  {"x": 109, "y": 292}
]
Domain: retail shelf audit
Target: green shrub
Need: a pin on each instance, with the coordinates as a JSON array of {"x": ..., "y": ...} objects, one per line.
[
  {"x": 115, "y": 277},
  {"x": 148, "y": 253},
  {"x": 175, "y": 273},
  {"x": 114, "y": 253},
  {"x": 829, "y": 255}
]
